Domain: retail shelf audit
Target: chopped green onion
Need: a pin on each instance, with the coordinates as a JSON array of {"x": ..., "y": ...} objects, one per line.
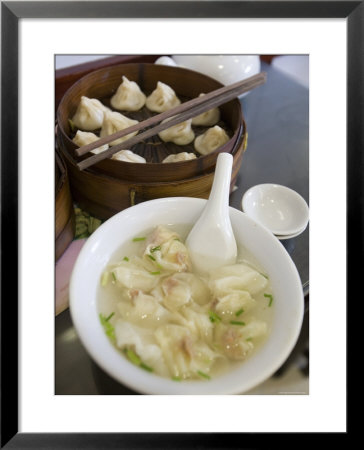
[
  {"x": 133, "y": 357},
  {"x": 204, "y": 375},
  {"x": 113, "y": 276},
  {"x": 249, "y": 339},
  {"x": 214, "y": 317},
  {"x": 155, "y": 273},
  {"x": 270, "y": 296},
  {"x": 137, "y": 239},
  {"x": 239, "y": 312},
  {"x": 125, "y": 258},
  {"x": 236, "y": 322},
  {"x": 154, "y": 249},
  {"x": 145, "y": 367},
  {"x": 176, "y": 378},
  {"x": 151, "y": 257},
  {"x": 109, "y": 317},
  {"x": 109, "y": 329},
  {"x": 104, "y": 278}
]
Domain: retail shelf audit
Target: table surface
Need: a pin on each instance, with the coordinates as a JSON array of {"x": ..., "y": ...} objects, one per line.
[{"x": 278, "y": 152}]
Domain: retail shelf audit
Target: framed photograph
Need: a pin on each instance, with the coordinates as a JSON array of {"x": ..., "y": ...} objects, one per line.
[{"x": 32, "y": 34}]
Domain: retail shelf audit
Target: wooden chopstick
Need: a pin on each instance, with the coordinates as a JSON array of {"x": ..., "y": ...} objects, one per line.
[{"x": 187, "y": 110}]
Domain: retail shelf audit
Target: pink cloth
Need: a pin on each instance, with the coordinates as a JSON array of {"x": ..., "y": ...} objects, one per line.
[{"x": 64, "y": 267}]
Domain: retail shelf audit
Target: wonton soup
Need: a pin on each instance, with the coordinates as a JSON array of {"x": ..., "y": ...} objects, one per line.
[{"x": 175, "y": 323}]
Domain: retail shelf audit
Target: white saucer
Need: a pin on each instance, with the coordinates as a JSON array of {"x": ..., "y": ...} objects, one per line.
[
  {"x": 289, "y": 236},
  {"x": 280, "y": 209}
]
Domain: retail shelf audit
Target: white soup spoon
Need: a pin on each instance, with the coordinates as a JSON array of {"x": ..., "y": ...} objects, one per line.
[{"x": 211, "y": 242}]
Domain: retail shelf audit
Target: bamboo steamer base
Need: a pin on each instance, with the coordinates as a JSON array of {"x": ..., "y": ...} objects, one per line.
[
  {"x": 104, "y": 196},
  {"x": 64, "y": 214},
  {"x": 65, "y": 238}
]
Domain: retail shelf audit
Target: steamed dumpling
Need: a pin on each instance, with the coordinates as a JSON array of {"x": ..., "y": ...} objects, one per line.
[
  {"x": 89, "y": 114},
  {"x": 167, "y": 252},
  {"x": 143, "y": 309},
  {"x": 228, "y": 305},
  {"x": 183, "y": 288},
  {"x": 162, "y": 98},
  {"x": 128, "y": 96},
  {"x": 237, "y": 342},
  {"x": 227, "y": 279},
  {"x": 131, "y": 275},
  {"x": 128, "y": 338},
  {"x": 199, "y": 324},
  {"x": 184, "y": 356},
  {"x": 115, "y": 121},
  {"x": 183, "y": 156},
  {"x": 180, "y": 134},
  {"x": 128, "y": 156},
  {"x": 211, "y": 140},
  {"x": 207, "y": 118},
  {"x": 85, "y": 137}
]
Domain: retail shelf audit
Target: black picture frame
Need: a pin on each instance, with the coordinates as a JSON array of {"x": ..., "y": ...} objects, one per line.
[{"x": 11, "y": 12}]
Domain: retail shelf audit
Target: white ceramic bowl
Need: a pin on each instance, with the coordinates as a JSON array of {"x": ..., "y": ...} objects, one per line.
[
  {"x": 281, "y": 209},
  {"x": 227, "y": 69},
  {"x": 96, "y": 253}
]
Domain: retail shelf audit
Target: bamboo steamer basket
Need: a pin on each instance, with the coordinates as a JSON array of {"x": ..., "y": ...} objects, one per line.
[
  {"x": 103, "y": 196},
  {"x": 110, "y": 185},
  {"x": 64, "y": 213}
]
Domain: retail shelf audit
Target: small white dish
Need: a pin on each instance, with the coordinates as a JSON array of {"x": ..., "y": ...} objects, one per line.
[
  {"x": 290, "y": 236},
  {"x": 280, "y": 209}
]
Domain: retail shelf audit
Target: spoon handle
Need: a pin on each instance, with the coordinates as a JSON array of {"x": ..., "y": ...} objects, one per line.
[
  {"x": 219, "y": 196},
  {"x": 211, "y": 242}
]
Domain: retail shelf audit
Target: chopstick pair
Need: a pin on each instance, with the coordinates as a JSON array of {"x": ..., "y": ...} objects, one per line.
[{"x": 180, "y": 113}]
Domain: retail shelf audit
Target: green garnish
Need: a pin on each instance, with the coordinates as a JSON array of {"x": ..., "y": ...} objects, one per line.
[
  {"x": 154, "y": 249},
  {"x": 214, "y": 317},
  {"x": 155, "y": 273},
  {"x": 204, "y": 375},
  {"x": 134, "y": 358},
  {"x": 176, "y": 378},
  {"x": 145, "y": 367},
  {"x": 109, "y": 317},
  {"x": 104, "y": 278},
  {"x": 151, "y": 257},
  {"x": 109, "y": 329},
  {"x": 137, "y": 239},
  {"x": 249, "y": 339},
  {"x": 270, "y": 296},
  {"x": 125, "y": 258},
  {"x": 239, "y": 312},
  {"x": 113, "y": 276},
  {"x": 236, "y": 322}
]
